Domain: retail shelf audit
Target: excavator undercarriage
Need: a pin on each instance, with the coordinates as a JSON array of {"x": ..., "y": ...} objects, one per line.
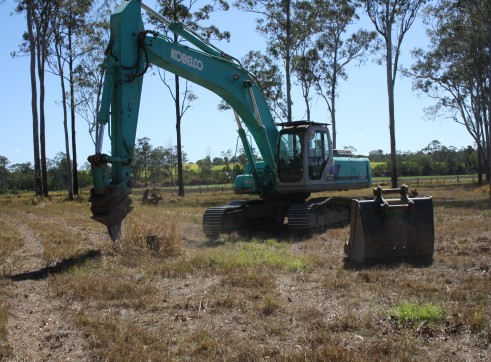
[
  {"x": 381, "y": 229},
  {"x": 306, "y": 217}
]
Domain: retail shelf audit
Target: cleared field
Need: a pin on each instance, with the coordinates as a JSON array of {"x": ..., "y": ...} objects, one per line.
[{"x": 67, "y": 292}]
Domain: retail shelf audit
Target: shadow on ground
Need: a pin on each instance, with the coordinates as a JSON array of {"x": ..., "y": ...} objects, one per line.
[{"x": 60, "y": 267}]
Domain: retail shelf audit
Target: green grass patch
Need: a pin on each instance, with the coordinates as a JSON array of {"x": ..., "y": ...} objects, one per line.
[
  {"x": 238, "y": 256},
  {"x": 410, "y": 311}
]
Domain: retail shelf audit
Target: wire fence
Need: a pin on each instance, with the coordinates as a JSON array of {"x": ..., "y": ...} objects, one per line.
[
  {"x": 428, "y": 180},
  {"x": 413, "y": 181}
]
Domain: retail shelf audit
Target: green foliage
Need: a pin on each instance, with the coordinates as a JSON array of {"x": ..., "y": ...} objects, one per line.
[
  {"x": 454, "y": 70},
  {"x": 433, "y": 160}
]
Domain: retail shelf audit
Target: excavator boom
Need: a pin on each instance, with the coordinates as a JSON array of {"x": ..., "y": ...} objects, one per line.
[{"x": 131, "y": 51}]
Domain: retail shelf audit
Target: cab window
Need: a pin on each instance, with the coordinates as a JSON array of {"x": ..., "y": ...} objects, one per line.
[
  {"x": 290, "y": 157},
  {"x": 318, "y": 154}
]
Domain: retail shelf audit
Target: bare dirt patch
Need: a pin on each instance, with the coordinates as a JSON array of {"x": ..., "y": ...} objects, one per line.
[{"x": 37, "y": 325}]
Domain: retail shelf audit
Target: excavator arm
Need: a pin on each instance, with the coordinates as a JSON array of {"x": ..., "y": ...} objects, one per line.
[{"x": 131, "y": 51}]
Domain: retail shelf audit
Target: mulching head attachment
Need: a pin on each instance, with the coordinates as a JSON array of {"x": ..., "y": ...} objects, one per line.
[
  {"x": 110, "y": 208},
  {"x": 386, "y": 230}
]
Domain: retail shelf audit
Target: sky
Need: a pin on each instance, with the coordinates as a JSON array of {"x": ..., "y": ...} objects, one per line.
[{"x": 362, "y": 111}]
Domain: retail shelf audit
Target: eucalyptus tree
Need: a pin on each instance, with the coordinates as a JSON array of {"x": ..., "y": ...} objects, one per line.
[
  {"x": 304, "y": 65},
  {"x": 482, "y": 13},
  {"x": 58, "y": 66},
  {"x": 143, "y": 151},
  {"x": 4, "y": 161},
  {"x": 454, "y": 70},
  {"x": 28, "y": 7},
  {"x": 286, "y": 25},
  {"x": 154, "y": 166},
  {"x": 36, "y": 42},
  {"x": 89, "y": 70},
  {"x": 334, "y": 49},
  {"x": 182, "y": 11},
  {"x": 68, "y": 22},
  {"x": 392, "y": 20},
  {"x": 270, "y": 79},
  {"x": 170, "y": 160},
  {"x": 76, "y": 20}
]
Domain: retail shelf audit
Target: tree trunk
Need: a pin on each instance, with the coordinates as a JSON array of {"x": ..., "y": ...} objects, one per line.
[
  {"x": 288, "y": 61},
  {"x": 42, "y": 137},
  {"x": 479, "y": 164},
  {"x": 69, "y": 184},
  {"x": 390, "y": 93},
  {"x": 34, "y": 107},
  {"x": 489, "y": 107},
  {"x": 180, "y": 175},
  {"x": 393, "y": 155},
  {"x": 41, "y": 45},
  {"x": 72, "y": 114},
  {"x": 333, "y": 101}
]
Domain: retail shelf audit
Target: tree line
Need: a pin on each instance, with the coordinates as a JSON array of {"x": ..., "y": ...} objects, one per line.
[
  {"x": 15, "y": 178},
  {"x": 308, "y": 44},
  {"x": 433, "y": 160},
  {"x": 157, "y": 166}
]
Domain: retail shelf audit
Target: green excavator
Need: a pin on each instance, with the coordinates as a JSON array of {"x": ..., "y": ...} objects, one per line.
[{"x": 297, "y": 158}]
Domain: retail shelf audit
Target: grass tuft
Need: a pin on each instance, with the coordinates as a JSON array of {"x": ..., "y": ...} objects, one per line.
[
  {"x": 163, "y": 237},
  {"x": 410, "y": 311},
  {"x": 271, "y": 305},
  {"x": 478, "y": 320},
  {"x": 204, "y": 343}
]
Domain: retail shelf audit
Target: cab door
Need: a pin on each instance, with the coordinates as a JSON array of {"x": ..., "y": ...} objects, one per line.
[{"x": 318, "y": 153}]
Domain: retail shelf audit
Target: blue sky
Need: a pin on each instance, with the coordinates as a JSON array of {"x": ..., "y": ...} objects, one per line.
[{"x": 362, "y": 104}]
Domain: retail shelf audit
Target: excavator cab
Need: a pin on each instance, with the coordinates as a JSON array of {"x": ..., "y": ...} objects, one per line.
[
  {"x": 306, "y": 162},
  {"x": 304, "y": 151}
]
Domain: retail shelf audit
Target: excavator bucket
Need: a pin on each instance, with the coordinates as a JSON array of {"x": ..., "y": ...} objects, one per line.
[{"x": 386, "y": 230}]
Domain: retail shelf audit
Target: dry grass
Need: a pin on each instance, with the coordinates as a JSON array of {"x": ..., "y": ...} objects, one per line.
[
  {"x": 10, "y": 239},
  {"x": 160, "y": 234},
  {"x": 5, "y": 351},
  {"x": 252, "y": 299}
]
